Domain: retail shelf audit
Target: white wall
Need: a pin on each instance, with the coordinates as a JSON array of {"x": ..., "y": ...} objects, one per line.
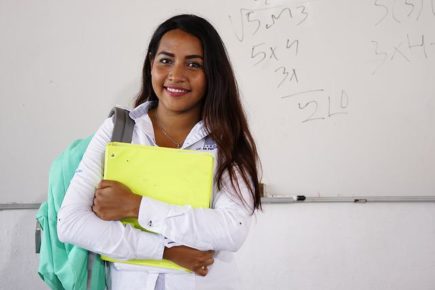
[
  {"x": 64, "y": 64},
  {"x": 18, "y": 261},
  {"x": 292, "y": 246},
  {"x": 341, "y": 247}
]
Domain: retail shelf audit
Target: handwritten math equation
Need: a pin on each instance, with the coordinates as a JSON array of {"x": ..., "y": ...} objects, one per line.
[
  {"x": 269, "y": 34},
  {"x": 410, "y": 46}
]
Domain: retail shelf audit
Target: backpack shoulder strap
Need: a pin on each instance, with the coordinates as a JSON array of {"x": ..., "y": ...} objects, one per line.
[{"x": 123, "y": 125}]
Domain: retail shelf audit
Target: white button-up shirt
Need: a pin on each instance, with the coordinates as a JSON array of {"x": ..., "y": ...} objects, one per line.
[{"x": 222, "y": 228}]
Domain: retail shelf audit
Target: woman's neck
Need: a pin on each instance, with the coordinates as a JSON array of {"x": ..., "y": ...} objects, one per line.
[{"x": 171, "y": 129}]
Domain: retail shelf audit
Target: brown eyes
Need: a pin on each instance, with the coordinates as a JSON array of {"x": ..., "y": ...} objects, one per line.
[
  {"x": 189, "y": 64},
  {"x": 165, "y": 61},
  {"x": 194, "y": 65}
]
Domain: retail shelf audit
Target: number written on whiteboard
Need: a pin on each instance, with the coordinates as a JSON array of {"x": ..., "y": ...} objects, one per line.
[
  {"x": 317, "y": 106},
  {"x": 410, "y": 48},
  {"x": 403, "y": 11},
  {"x": 252, "y": 21}
]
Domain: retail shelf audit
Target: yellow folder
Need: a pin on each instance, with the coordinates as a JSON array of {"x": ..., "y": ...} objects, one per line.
[{"x": 174, "y": 176}]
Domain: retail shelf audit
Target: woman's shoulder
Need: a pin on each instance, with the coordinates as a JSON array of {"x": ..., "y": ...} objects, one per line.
[
  {"x": 200, "y": 139},
  {"x": 141, "y": 110}
]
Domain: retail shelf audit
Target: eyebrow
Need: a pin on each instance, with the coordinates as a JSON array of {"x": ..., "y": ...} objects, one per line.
[{"x": 173, "y": 55}]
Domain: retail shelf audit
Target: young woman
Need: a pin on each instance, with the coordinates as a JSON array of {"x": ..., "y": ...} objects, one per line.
[{"x": 189, "y": 100}]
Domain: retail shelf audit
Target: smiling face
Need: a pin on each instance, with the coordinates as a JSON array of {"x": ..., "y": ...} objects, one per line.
[{"x": 177, "y": 73}]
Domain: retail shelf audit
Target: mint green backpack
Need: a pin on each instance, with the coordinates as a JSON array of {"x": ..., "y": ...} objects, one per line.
[{"x": 65, "y": 266}]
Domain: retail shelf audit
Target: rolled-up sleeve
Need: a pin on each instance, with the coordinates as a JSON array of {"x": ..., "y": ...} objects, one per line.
[
  {"x": 77, "y": 223},
  {"x": 223, "y": 227}
]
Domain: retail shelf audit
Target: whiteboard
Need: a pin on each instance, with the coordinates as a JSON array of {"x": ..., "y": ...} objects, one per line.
[{"x": 340, "y": 95}]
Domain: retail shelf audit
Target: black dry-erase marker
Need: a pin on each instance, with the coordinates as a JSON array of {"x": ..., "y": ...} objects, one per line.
[{"x": 300, "y": 198}]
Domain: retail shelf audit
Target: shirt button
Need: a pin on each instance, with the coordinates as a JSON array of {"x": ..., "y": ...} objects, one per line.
[{"x": 150, "y": 223}]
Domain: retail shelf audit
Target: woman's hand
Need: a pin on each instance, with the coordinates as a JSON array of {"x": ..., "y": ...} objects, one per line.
[
  {"x": 114, "y": 201},
  {"x": 195, "y": 260}
]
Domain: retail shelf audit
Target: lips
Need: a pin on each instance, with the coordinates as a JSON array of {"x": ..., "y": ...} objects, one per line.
[{"x": 176, "y": 92}]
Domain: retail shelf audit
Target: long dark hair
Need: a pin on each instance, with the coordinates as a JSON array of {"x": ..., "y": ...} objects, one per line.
[{"x": 222, "y": 111}]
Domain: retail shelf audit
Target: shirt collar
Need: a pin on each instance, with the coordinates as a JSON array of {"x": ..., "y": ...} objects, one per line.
[
  {"x": 141, "y": 110},
  {"x": 197, "y": 133}
]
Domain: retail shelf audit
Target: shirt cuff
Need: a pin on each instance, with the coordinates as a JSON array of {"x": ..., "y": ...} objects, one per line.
[
  {"x": 169, "y": 243},
  {"x": 150, "y": 246},
  {"x": 153, "y": 214}
]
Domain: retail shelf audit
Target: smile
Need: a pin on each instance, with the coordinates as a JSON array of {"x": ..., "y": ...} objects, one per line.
[{"x": 176, "y": 91}]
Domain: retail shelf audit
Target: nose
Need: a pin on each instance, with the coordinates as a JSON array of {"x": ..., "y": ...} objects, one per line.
[{"x": 177, "y": 73}]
